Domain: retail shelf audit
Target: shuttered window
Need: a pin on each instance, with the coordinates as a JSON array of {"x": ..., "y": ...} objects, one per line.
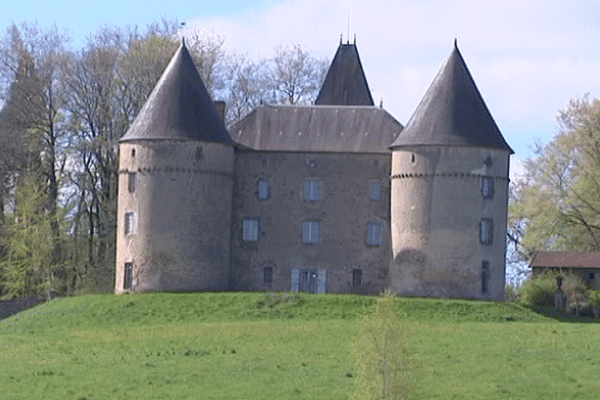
[
  {"x": 129, "y": 223},
  {"x": 312, "y": 190},
  {"x": 250, "y": 230},
  {"x": 310, "y": 232},
  {"x": 375, "y": 190},
  {"x": 487, "y": 187},
  {"x": 374, "y": 233},
  {"x": 486, "y": 230},
  {"x": 262, "y": 189}
]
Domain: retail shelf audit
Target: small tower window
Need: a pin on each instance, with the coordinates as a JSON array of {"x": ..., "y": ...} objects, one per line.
[
  {"x": 375, "y": 191},
  {"x": 131, "y": 182},
  {"x": 262, "y": 189},
  {"x": 127, "y": 276},
  {"x": 374, "y": 233},
  {"x": 250, "y": 230},
  {"x": 487, "y": 187},
  {"x": 132, "y": 152},
  {"x": 412, "y": 158},
  {"x": 356, "y": 277},
  {"x": 486, "y": 229},
  {"x": 312, "y": 190},
  {"x": 485, "y": 277},
  {"x": 129, "y": 223},
  {"x": 268, "y": 275}
]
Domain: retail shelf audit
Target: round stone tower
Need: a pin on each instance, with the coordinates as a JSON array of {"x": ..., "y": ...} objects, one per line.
[
  {"x": 175, "y": 189},
  {"x": 450, "y": 193}
]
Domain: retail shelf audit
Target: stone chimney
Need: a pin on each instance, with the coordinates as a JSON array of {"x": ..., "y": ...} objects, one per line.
[{"x": 220, "y": 106}]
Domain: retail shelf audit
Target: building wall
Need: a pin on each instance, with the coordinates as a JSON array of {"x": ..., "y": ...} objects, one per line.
[
  {"x": 182, "y": 215},
  {"x": 436, "y": 210},
  {"x": 343, "y": 211}
]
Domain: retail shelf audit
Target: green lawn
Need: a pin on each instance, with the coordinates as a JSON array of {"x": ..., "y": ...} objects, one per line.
[{"x": 284, "y": 346}]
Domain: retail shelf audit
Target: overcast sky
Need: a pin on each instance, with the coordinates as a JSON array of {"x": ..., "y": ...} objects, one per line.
[{"x": 528, "y": 57}]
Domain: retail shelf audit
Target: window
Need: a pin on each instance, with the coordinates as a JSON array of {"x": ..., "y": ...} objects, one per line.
[
  {"x": 374, "y": 233},
  {"x": 262, "y": 189},
  {"x": 310, "y": 232},
  {"x": 132, "y": 152},
  {"x": 356, "y": 277},
  {"x": 375, "y": 190},
  {"x": 592, "y": 276},
  {"x": 131, "y": 182},
  {"x": 312, "y": 190},
  {"x": 485, "y": 277},
  {"x": 250, "y": 230},
  {"x": 486, "y": 227},
  {"x": 487, "y": 187},
  {"x": 129, "y": 223},
  {"x": 127, "y": 275},
  {"x": 268, "y": 275}
]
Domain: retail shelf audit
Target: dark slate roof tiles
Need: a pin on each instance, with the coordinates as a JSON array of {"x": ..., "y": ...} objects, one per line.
[
  {"x": 317, "y": 128},
  {"x": 179, "y": 107},
  {"x": 452, "y": 112},
  {"x": 345, "y": 83}
]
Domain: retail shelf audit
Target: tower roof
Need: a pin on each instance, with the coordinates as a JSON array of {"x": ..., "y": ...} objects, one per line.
[
  {"x": 179, "y": 107},
  {"x": 345, "y": 83},
  {"x": 452, "y": 112}
]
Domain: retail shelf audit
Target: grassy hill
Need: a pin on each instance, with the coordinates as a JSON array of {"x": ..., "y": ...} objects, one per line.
[{"x": 284, "y": 346}]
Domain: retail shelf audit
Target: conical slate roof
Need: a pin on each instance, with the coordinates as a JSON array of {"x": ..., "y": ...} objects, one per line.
[
  {"x": 179, "y": 107},
  {"x": 452, "y": 112},
  {"x": 345, "y": 83}
]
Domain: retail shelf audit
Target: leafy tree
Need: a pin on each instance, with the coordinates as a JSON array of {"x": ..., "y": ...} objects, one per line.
[
  {"x": 382, "y": 363},
  {"x": 29, "y": 268},
  {"x": 557, "y": 203}
]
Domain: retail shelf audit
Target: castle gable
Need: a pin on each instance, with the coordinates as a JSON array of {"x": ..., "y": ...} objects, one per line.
[{"x": 317, "y": 128}]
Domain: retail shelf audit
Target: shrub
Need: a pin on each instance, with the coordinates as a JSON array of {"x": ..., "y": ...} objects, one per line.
[{"x": 538, "y": 291}]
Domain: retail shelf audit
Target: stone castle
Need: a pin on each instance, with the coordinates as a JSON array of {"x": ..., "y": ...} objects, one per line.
[{"x": 334, "y": 197}]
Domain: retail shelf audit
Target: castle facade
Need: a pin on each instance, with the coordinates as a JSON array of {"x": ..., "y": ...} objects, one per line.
[{"x": 334, "y": 197}]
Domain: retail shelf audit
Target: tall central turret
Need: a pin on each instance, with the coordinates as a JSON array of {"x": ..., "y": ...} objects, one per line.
[
  {"x": 449, "y": 193},
  {"x": 175, "y": 189}
]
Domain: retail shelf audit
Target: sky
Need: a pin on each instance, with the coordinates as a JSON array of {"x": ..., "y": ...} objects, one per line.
[{"x": 527, "y": 57}]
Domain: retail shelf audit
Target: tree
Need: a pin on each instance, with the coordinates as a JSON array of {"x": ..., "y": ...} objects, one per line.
[
  {"x": 557, "y": 204},
  {"x": 244, "y": 86},
  {"x": 29, "y": 267},
  {"x": 294, "y": 76},
  {"x": 381, "y": 360}
]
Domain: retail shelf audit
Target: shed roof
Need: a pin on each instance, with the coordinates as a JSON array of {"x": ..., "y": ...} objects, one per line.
[
  {"x": 566, "y": 259},
  {"x": 365, "y": 129},
  {"x": 345, "y": 83},
  {"x": 179, "y": 107},
  {"x": 452, "y": 112}
]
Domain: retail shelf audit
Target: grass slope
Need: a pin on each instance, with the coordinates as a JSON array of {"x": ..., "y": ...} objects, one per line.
[{"x": 284, "y": 346}]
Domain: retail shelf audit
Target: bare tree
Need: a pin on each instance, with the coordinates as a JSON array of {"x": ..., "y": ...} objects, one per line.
[{"x": 294, "y": 76}]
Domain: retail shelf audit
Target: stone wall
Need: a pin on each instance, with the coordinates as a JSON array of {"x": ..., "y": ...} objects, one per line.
[
  {"x": 181, "y": 207},
  {"x": 343, "y": 211},
  {"x": 437, "y": 208},
  {"x": 10, "y": 307}
]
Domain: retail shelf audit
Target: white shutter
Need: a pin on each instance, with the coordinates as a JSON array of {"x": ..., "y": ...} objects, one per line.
[
  {"x": 322, "y": 281},
  {"x": 295, "y": 279}
]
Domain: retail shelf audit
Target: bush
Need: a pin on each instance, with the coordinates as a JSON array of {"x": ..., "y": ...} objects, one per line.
[{"x": 538, "y": 291}]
